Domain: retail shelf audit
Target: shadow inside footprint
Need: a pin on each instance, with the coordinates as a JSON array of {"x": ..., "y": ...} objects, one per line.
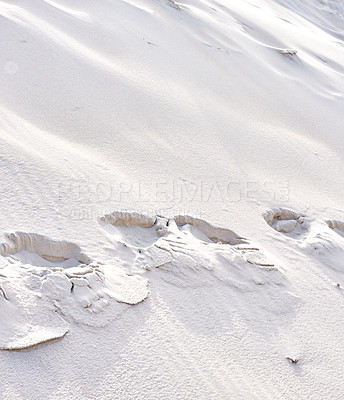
[
  {"x": 204, "y": 231},
  {"x": 130, "y": 228},
  {"x": 40, "y": 251},
  {"x": 288, "y": 222}
]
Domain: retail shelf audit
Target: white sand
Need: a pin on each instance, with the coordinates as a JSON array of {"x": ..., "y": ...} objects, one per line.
[{"x": 118, "y": 116}]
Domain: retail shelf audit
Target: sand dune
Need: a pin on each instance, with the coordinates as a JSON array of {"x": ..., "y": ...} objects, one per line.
[{"x": 171, "y": 209}]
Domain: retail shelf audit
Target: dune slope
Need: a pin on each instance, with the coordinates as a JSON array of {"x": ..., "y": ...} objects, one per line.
[{"x": 171, "y": 209}]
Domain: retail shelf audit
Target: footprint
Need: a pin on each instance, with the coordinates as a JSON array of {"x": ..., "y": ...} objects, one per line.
[
  {"x": 190, "y": 253},
  {"x": 214, "y": 234},
  {"x": 45, "y": 285},
  {"x": 181, "y": 238},
  {"x": 163, "y": 237},
  {"x": 321, "y": 241},
  {"x": 39, "y": 250},
  {"x": 336, "y": 226},
  {"x": 129, "y": 228},
  {"x": 60, "y": 285},
  {"x": 288, "y": 222}
]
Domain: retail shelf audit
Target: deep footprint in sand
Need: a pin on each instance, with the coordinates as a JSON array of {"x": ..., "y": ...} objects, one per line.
[
  {"x": 47, "y": 284},
  {"x": 41, "y": 251},
  {"x": 288, "y": 222},
  {"x": 188, "y": 252},
  {"x": 214, "y": 234},
  {"x": 28, "y": 317},
  {"x": 162, "y": 242},
  {"x": 129, "y": 228}
]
